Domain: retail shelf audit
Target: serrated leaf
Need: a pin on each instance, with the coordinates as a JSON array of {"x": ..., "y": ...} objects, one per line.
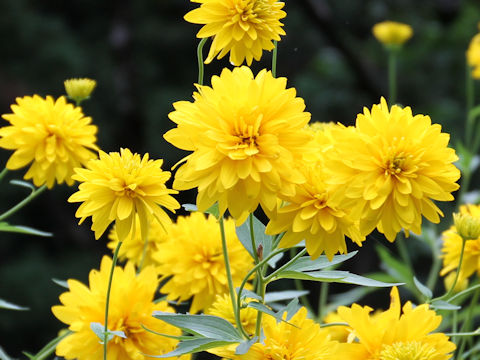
[
  {"x": 4, "y": 226},
  {"x": 425, "y": 291},
  {"x": 443, "y": 305},
  {"x": 284, "y": 295},
  {"x": 62, "y": 283},
  {"x": 10, "y": 306},
  {"x": 193, "y": 346},
  {"x": 306, "y": 263},
  {"x": 243, "y": 234},
  {"x": 209, "y": 326},
  {"x": 243, "y": 347}
]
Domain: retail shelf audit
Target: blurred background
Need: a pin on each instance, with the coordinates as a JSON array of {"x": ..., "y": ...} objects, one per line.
[{"x": 143, "y": 56}]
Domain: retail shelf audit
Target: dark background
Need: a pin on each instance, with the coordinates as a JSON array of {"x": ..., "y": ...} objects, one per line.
[{"x": 143, "y": 56}]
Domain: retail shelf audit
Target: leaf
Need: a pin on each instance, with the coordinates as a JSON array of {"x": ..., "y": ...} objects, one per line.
[
  {"x": 444, "y": 305},
  {"x": 99, "y": 330},
  {"x": 291, "y": 309},
  {"x": 425, "y": 291},
  {"x": 23, "y": 184},
  {"x": 61, "y": 283},
  {"x": 249, "y": 294},
  {"x": 284, "y": 295},
  {"x": 307, "y": 264},
  {"x": 394, "y": 267},
  {"x": 3, "y": 355},
  {"x": 243, "y": 233},
  {"x": 4, "y": 226},
  {"x": 208, "y": 326},
  {"x": 194, "y": 345},
  {"x": 243, "y": 347},
  {"x": 214, "y": 210},
  {"x": 190, "y": 207},
  {"x": 8, "y": 305}
]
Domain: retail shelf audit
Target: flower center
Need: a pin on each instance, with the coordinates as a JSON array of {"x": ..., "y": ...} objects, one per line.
[
  {"x": 247, "y": 11},
  {"x": 412, "y": 350},
  {"x": 246, "y": 135},
  {"x": 321, "y": 200}
]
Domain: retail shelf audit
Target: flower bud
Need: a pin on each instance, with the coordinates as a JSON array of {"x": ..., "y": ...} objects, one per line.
[
  {"x": 79, "y": 89},
  {"x": 467, "y": 226}
]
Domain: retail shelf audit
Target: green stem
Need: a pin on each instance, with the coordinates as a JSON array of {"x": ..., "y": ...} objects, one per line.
[
  {"x": 107, "y": 301},
  {"x": 262, "y": 288},
  {"x": 464, "y": 292},
  {"x": 436, "y": 263},
  {"x": 200, "y": 60},
  {"x": 274, "y": 58},
  {"x": 299, "y": 286},
  {"x": 402, "y": 249},
  {"x": 48, "y": 349},
  {"x": 392, "y": 76},
  {"x": 470, "y": 101},
  {"x": 3, "y": 173},
  {"x": 24, "y": 202},
  {"x": 323, "y": 300},
  {"x": 466, "y": 324},
  {"x": 269, "y": 278}
]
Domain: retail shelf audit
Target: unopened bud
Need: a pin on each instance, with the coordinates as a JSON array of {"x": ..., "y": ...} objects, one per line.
[
  {"x": 467, "y": 226},
  {"x": 79, "y": 89},
  {"x": 260, "y": 252}
]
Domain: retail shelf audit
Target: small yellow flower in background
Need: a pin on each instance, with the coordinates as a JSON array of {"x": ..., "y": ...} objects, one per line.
[
  {"x": 134, "y": 249},
  {"x": 462, "y": 283},
  {"x": 452, "y": 247},
  {"x": 79, "y": 89},
  {"x": 392, "y": 33},
  {"x": 391, "y": 166},
  {"x": 117, "y": 186},
  {"x": 247, "y": 135},
  {"x": 192, "y": 260},
  {"x": 299, "y": 339},
  {"x": 51, "y": 135},
  {"x": 473, "y": 56},
  {"x": 242, "y": 27},
  {"x": 315, "y": 214},
  {"x": 131, "y": 308},
  {"x": 397, "y": 333}
]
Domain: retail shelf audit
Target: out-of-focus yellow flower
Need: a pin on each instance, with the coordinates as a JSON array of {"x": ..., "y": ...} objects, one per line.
[
  {"x": 131, "y": 308},
  {"x": 462, "y": 283},
  {"x": 79, "y": 89},
  {"x": 473, "y": 56},
  {"x": 247, "y": 135},
  {"x": 392, "y": 33},
  {"x": 134, "y": 250},
  {"x": 192, "y": 260},
  {"x": 242, "y": 27},
  {"x": 452, "y": 247},
  {"x": 391, "y": 166},
  {"x": 51, "y": 135},
  {"x": 118, "y": 186},
  {"x": 339, "y": 333},
  {"x": 395, "y": 334}
]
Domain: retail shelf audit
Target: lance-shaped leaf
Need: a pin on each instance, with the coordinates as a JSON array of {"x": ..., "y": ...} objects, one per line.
[
  {"x": 306, "y": 263},
  {"x": 193, "y": 346},
  {"x": 8, "y": 305},
  {"x": 4, "y": 226}
]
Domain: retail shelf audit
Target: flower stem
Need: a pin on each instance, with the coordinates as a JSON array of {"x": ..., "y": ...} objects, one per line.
[
  {"x": 48, "y": 349},
  {"x": 3, "y": 173},
  {"x": 323, "y": 300},
  {"x": 392, "y": 76},
  {"x": 466, "y": 324},
  {"x": 200, "y": 60},
  {"x": 274, "y": 58},
  {"x": 107, "y": 301},
  {"x": 402, "y": 249},
  {"x": 24, "y": 202},
  {"x": 470, "y": 98}
]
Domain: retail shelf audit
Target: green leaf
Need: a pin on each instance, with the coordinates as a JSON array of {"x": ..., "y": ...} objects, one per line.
[
  {"x": 62, "y": 283},
  {"x": 3, "y": 355},
  {"x": 306, "y": 263},
  {"x": 99, "y": 330},
  {"x": 4, "y": 226},
  {"x": 444, "y": 305},
  {"x": 8, "y": 305},
  {"x": 284, "y": 295},
  {"x": 23, "y": 184},
  {"x": 425, "y": 291},
  {"x": 190, "y": 207},
  {"x": 208, "y": 326},
  {"x": 243, "y": 233},
  {"x": 398, "y": 270},
  {"x": 244, "y": 346},
  {"x": 194, "y": 345},
  {"x": 214, "y": 210},
  {"x": 249, "y": 294}
]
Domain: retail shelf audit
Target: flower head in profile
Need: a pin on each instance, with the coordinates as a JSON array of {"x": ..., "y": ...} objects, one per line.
[
  {"x": 54, "y": 137},
  {"x": 242, "y": 27},
  {"x": 473, "y": 56},
  {"x": 79, "y": 89},
  {"x": 392, "y": 166},
  {"x": 397, "y": 333},
  {"x": 392, "y": 33},
  {"x": 131, "y": 307},
  {"x": 137, "y": 249},
  {"x": 247, "y": 135},
  {"x": 117, "y": 186},
  {"x": 192, "y": 260},
  {"x": 452, "y": 247}
]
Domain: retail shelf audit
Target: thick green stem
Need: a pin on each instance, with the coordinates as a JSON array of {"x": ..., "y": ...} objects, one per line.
[
  {"x": 322, "y": 302},
  {"x": 200, "y": 60},
  {"x": 3, "y": 173},
  {"x": 466, "y": 324},
  {"x": 392, "y": 76},
  {"x": 274, "y": 59},
  {"x": 261, "y": 291},
  {"x": 107, "y": 301},
  {"x": 24, "y": 202}
]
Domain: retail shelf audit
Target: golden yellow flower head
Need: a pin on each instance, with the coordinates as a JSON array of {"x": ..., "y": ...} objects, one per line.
[
  {"x": 134, "y": 250},
  {"x": 118, "y": 186},
  {"x": 462, "y": 283},
  {"x": 391, "y": 166},
  {"x": 131, "y": 308},
  {"x": 247, "y": 135},
  {"x": 305, "y": 340},
  {"x": 242, "y": 27},
  {"x": 315, "y": 214},
  {"x": 452, "y": 247},
  {"x": 192, "y": 260},
  {"x": 473, "y": 56},
  {"x": 54, "y": 137},
  {"x": 79, "y": 89},
  {"x": 392, "y": 33},
  {"x": 395, "y": 334}
]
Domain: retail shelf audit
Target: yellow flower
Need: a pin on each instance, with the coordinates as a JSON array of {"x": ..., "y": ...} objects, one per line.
[
  {"x": 462, "y": 283},
  {"x": 473, "y": 56},
  {"x": 79, "y": 89},
  {"x": 134, "y": 250},
  {"x": 299, "y": 339},
  {"x": 315, "y": 215},
  {"x": 391, "y": 166},
  {"x": 246, "y": 134},
  {"x": 392, "y": 335},
  {"x": 392, "y": 33},
  {"x": 242, "y": 27},
  {"x": 119, "y": 185},
  {"x": 131, "y": 308},
  {"x": 337, "y": 332},
  {"x": 452, "y": 247},
  {"x": 52, "y": 135},
  {"x": 192, "y": 259}
]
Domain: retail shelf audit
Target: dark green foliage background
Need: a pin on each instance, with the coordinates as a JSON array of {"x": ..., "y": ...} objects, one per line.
[{"x": 142, "y": 53}]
